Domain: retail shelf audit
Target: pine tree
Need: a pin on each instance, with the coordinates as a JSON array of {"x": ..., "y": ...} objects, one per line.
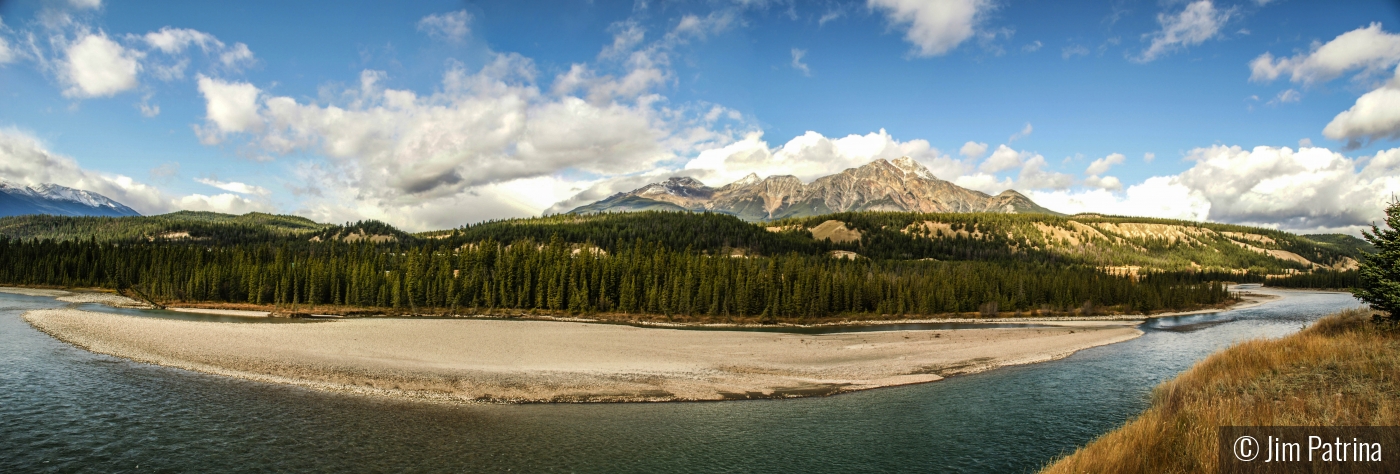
[{"x": 1380, "y": 272}]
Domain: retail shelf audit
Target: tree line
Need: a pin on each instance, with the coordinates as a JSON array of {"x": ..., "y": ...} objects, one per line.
[{"x": 633, "y": 277}]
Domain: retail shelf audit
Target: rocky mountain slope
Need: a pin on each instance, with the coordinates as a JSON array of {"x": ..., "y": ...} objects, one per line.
[
  {"x": 52, "y": 199},
  {"x": 901, "y": 185}
]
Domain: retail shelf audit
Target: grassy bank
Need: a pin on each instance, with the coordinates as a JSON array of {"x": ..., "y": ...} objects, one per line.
[{"x": 1342, "y": 371}]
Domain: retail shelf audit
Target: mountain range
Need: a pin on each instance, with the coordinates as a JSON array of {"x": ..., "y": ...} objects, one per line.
[
  {"x": 52, "y": 199},
  {"x": 901, "y": 185}
]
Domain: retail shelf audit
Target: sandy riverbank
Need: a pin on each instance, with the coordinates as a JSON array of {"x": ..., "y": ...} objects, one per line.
[
  {"x": 89, "y": 296},
  {"x": 531, "y": 361}
]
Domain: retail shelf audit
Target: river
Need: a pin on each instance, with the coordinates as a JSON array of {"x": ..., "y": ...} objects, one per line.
[{"x": 65, "y": 409}]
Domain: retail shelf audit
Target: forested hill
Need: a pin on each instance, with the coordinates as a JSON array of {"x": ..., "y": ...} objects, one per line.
[
  {"x": 1130, "y": 244},
  {"x": 1126, "y": 245},
  {"x": 695, "y": 266},
  {"x": 191, "y": 226}
]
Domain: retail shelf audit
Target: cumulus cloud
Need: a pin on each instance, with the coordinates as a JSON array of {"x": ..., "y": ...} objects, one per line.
[
  {"x": 797, "y": 63},
  {"x": 1101, "y": 165},
  {"x": 1149, "y": 156},
  {"x": 1312, "y": 189},
  {"x": 1004, "y": 158},
  {"x": 1375, "y": 116},
  {"x": 1035, "y": 174},
  {"x": 230, "y": 107},
  {"x": 933, "y": 27},
  {"x": 225, "y": 203},
  {"x": 25, "y": 160},
  {"x": 451, "y": 27},
  {"x": 1032, "y": 46},
  {"x": 1155, "y": 197},
  {"x": 96, "y": 66},
  {"x": 235, "y": 187},
  {"x": 413, "y": 159},
  {"x": 973, "y": 150},
  {"x": 1366, "y": 51},
  {"x": 1369, "y": 50},
  {"x": 1198, "y": 22},
  {"x": 812, "y": 155}
]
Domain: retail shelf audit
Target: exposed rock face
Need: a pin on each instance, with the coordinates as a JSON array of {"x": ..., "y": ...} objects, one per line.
[{"x": 882, "y": 185}]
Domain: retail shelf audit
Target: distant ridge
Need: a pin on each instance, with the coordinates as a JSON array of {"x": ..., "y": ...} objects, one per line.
[
  {"x": 55, "y": 200},
  {"x": 901, "y": 185}
]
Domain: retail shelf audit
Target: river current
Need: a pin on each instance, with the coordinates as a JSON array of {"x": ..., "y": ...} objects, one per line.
[{"x": 63, "y": 409}]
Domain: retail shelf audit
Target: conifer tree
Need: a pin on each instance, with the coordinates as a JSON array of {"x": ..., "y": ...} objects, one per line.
[{"x": 1380, "y": 271}]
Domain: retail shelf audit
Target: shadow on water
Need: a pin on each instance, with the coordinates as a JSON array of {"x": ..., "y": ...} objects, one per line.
[{"x": 66, "y": 409}]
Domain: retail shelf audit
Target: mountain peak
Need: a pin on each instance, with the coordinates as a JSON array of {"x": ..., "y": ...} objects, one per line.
[
  {"x": 902, "y": 184},
  {"x": 912, "y": 167},
  {"x": 54, "y": 199}
]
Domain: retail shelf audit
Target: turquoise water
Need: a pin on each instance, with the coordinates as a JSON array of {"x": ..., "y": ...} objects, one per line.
[{"x": 63, "y": 409}]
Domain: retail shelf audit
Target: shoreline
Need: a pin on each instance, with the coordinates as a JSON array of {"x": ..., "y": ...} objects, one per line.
[
  {"x": 111, "y": 299},
  {"x": 474, "y": 361}
]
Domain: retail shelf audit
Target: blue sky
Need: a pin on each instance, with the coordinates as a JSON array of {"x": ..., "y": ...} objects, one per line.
[{"x": 435, "y": 114}]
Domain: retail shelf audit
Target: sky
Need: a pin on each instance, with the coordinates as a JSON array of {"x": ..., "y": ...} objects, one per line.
[{"x": 435, "y": 114}]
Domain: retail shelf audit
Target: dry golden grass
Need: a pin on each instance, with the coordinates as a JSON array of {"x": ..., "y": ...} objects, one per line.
[{"x": 1342, "y": 371}]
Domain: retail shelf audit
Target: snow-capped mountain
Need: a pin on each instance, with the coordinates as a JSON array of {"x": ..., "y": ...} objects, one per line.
[{"x": 52, "y": 199}]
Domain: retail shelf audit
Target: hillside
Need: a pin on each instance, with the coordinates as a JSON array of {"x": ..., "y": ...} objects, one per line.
[
  {"x": 901, "y": 185},
  {"x": 177, "y": 226},
  {"x": 1123, "y": 245}
]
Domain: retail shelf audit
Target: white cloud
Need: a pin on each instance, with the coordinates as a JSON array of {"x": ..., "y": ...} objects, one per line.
[
  {"x": 1101, "y": 165},
  {"x": 230, "y": 107},
  {"x": 692, "y": 26},
  {"x": 7, "y": 52},
  {"x": 1025, "y": 132},
  {"x": 1154, "y": 197},
  {"x": 86, "y": 4},
  {"x": 1034, "y": 175},
  {"x": 451, "y": 27},
  {"x": 225, "y": 203},
  {"x": 933, "y": 27},
  {"x": 1312, "y": 189},
  {"x": 1149, "y": 156},
  {"x": 812, "y": 155},
  {"x": 395, "y": 154},
  {"x": 1287, "y": 97},
  {"x": 25, "y": 160},
  {"x": 1032, "y": 46},
  {"x": 1375, "y": 116},
  {"x": 1106, "y": 182},
  {"x": 1305, "y": 143},
  {"x": 797, "y": 63},
  {"x": 830, "y": 15},
  {"x": 1195, "y": 24},
  {"x": 174, "y": 40},
  {"x": 1073, "y": 50},
  {"x": 973, "y": 150},
  {"x": 237, "y": 55},
  {"x": 984, "y": 182},
  {"x": 1370, "y": 50},
  {"x": 235, "y": 187},
  {"x": 96, "y": 66},
  {"x": 1004, "y": 158}
]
